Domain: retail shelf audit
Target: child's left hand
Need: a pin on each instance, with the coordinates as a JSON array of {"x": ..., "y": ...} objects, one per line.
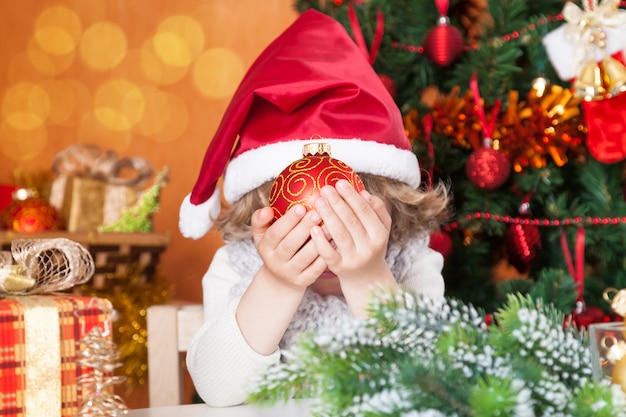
[{"x": 355, "y": 237}]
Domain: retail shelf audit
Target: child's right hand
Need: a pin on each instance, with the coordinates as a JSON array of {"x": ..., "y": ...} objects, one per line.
[{"x": 285, "y": 247}]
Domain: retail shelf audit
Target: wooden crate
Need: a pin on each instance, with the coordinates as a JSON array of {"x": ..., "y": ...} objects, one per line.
[{"x": 113, "y": 253}]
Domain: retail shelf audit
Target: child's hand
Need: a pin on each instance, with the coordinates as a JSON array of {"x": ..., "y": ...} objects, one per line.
[
  {"x": 284, "y": 246},
  {"x": 353, "y": 241}
]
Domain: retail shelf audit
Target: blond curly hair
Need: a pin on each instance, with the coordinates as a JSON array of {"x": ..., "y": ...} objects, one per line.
[{"x": 414, "y": 212}]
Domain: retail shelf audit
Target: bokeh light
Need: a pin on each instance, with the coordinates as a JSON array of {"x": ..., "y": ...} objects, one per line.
[
  {"x": 178, "y": 41},
  {"x": 103, "y": 46},
  {"x": 218, "y": 32},
  {"x": 156, "y": 71},
  {"x": 46, "y": 63},
  {"x": 21, "y": 69},
  {"x": 217, "y": 72},
  {"x": 87, "y": 73},
  {"x": 25, "y": 106},
  {"x": 92, "y": 131},
  {"x": 70, "y": 100},
  {"x": 79, "y": 106},
  {"x": 20, "y": 144},
  {"x": 58, "y": 30},
  {"x": 158, "y": 111},
  {"x": 177, "y": 122},
  {"x": 119, "y": 105}
]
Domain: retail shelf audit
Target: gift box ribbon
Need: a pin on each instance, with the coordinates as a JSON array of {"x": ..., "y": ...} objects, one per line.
[
  {"x": 43, "y": 266},
  {"x": 42, "y": 373},
  {"x": 91, "y": 161}
]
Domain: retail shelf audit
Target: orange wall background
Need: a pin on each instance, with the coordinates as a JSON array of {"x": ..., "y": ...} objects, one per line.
[{"x": 143, "y": 78}]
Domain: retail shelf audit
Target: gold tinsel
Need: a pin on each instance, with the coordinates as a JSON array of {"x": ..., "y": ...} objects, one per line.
[
  {"x": 546, "y": 125},
  {"x": 131, "y": 296}
]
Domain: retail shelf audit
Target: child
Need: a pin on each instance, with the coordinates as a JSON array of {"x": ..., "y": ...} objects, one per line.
[{"x": 274, "y": 280}]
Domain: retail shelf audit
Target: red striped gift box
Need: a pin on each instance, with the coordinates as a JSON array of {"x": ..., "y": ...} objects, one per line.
[{"x": 40, "y": 338}]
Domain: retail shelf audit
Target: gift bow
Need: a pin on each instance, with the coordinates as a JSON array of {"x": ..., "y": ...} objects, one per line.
[
  {"x": 44, "y": 265},
  {"x": 583, "y": 23},
  {"x": 87, "y": 160}
]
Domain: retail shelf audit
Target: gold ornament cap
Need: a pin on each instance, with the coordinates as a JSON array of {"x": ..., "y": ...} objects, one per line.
[
  {"x": 316, "y": 148},
  {"x": 617, "y": 300}
]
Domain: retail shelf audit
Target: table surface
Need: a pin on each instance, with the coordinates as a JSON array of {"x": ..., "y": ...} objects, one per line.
[{"x": 291, "y": 409}]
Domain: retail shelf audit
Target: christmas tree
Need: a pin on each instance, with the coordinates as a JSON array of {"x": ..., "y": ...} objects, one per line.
[{"x": 518, "y": 106}]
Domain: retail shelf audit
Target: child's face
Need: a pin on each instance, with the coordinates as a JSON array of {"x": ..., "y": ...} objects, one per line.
[{"x": 327, "y": 284}]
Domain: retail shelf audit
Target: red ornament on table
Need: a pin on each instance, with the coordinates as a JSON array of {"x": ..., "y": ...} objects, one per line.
[
  {"x": 300, "y": 182},
  {"x": 443, "y": 43},
  {"x": 487, "y": 168},
  {"x": 28, "y": 214}
]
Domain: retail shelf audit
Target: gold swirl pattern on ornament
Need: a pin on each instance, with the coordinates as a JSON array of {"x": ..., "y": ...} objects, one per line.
[{"x": 298, "y": 182}]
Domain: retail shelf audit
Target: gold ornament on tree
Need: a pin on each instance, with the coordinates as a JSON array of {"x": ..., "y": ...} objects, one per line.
[
  {"x": 617, "y": 300},
  {"x": 596, "y": 32}
]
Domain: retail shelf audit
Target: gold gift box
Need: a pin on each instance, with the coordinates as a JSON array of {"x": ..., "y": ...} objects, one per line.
[{"x": 88, "y": 203}]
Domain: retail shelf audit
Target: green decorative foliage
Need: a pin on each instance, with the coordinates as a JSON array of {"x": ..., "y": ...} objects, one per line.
[
  {"x": 138, "y": 218},
  {"x": 414, "y": 357}
]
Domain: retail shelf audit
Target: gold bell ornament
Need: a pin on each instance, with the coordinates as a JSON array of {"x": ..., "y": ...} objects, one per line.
[
  {"x": 589, "y": 84},
  {"x": 614, "y": 73},
  {"x": 616, "y": 299}
]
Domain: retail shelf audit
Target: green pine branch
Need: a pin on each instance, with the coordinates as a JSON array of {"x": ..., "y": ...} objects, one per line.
[
  {"x": 416, "y": 355},
  {"x": 138, "y": 217}
]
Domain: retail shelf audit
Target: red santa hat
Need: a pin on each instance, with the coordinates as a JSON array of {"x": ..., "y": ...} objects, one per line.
[{"x": 311, "y": 84}]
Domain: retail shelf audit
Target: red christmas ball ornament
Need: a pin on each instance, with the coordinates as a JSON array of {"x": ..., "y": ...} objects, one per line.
[
  {"x": 389, "y": 84},
  {"x": 587, "y": 315},
  {"x": 487, "y": 168},
  {"x": 444, "y": 43},
  {"x": 30, "y": 214},
  {"x": 300, "y": 182},
  {"x": 523, "y": 242},
  {"x": 442, "y": 243}
]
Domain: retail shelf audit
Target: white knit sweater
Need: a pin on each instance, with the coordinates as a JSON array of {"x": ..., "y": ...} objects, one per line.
[{"x": 220, "y": 361}]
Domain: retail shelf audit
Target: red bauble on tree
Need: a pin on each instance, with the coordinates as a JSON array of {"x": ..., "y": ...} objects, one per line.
[
  {"x": 443, "y": 43},
  {"x": 300, "y": 182},
  {"x": 442, "y": 243},
  {"x": 389, "y": 84},
  {"x": 487, "y": 168},
  {"x": 583, "y": 316},
  {"x": 523, "y": 242}
]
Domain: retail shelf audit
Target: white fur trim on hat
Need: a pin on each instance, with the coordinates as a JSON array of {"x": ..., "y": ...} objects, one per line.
[
  {"x": 257, "y": 166},
  {"x": 195, "y": 220}
]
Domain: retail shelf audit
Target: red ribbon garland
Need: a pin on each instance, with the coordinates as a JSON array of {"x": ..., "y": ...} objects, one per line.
[
  {"x": 358, "y": 33},
  {"x": 442, "y": 6},
  {"x": 487, "y": 126},
  {"x": 577, "y": 271}
]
